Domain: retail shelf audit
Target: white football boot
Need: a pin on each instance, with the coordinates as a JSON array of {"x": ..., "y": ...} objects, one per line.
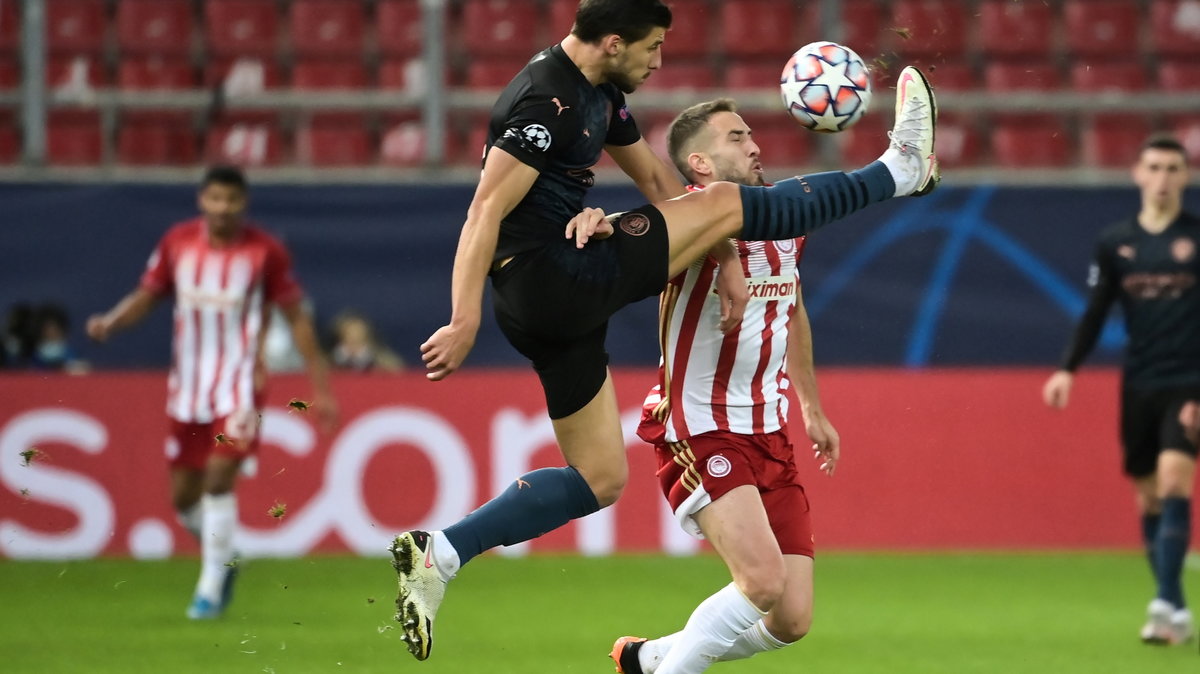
[
  {"x": 911, "y": 156},
  {"x": 1182, "y": 628},
  {"x": 1157, "y": 629},
  {"x": 421, "y": 590}
]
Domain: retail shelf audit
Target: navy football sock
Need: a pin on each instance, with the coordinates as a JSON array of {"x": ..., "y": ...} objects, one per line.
[
  {"x": 796, "y": 206},
  {"x": 1149, "y": 539},
  {"x": 1171, "y": 548},
  {"x": 534, "y": 504}
]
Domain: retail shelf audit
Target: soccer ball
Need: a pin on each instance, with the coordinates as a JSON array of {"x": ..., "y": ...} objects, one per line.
[{"x": 826, "y": 87}]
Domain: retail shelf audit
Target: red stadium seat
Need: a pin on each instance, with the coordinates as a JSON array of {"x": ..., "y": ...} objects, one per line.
[
  {"x": 690, "y": 33},
  {"x": 751, "y": 74},
  {"x": 158, "y": 26},
  {"x": 76, "y": 73},
  {"x": 1186, "y": 128},
  {"x": 334, "y": 141},
  {"x": 1102, "y": 27},
  {"x": 495, "y": 73},
  {"x": 145, "y": 141},
  {"x": 683, "y": 76},
  {"x": 934, "y": 29},
  {"x": 75, "y": 25},
  {"x": 1021, "y": 76},
  {"x": 958, "y": 141},
  {"x": 323, "y": 74},
  {"x": 562, "y": 17},
  {"x": 1181, "y": 75},
  {"x": 243, "y": 75},
  {"x": 401, "y": 73},
  {"x": 1096, "y": 76},
  {"x": 403, "y": 143},
  {"x": 328, "y": 27},
  {"x": 398, "y": 24},
  {"x": 10, "y": 73},
  {"x": 242, "y": 27},
  {"x": 952, "y": 77},
  {"x": 1009, "y": 28},
  {"x": 862, "y": 24},
  {"x": 10, "y": 26},
  {"x": 1030, "y": 141},
  {"x": 764, "y": 28},
  {"x": 10, "y": 144},
  {"x": 73, "y": 138},
  {"x": 1112, "y": 140},
  {"x": 245, "y": 143},
  {"x": 1175, "y": 27},
  {"x": 153, "y": 72},
  {"x": 862, "y": 143},
  {"x": 500, "y": 28}
]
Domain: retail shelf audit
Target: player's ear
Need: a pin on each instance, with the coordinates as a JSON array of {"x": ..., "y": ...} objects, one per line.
[
  {"x": 700, "y": 163},
  {"x": 612, "y": 44}
]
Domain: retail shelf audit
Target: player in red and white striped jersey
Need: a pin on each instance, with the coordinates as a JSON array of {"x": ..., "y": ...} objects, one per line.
[
  {"x": 224, "y": 274},
  {"x": 718, "y": 421}
]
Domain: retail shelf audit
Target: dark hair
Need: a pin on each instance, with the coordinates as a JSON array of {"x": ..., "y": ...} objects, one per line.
[
  {"x": 1164, "y": 141},
  {"x": 631, "y": 20},
  {"x": 223, "y": 174},
  {"x": 688, "y": 125}
]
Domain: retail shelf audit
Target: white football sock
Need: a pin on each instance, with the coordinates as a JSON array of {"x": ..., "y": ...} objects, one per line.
[
  {"x": 216, "y": 543},
  {"x": 445, "y": 557},
  {"x": 757, "y": 639},
  {"x": 711, "y": 630},
  {"x": 191, "y": 519},
  {"x": 905, "y": 170}
]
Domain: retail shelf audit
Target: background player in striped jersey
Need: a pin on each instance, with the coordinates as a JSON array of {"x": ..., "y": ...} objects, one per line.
[
  {"x": 718, "y": 422},
  {"x": 224, "y": 274},
  {"x": 1151, "y": 263}
]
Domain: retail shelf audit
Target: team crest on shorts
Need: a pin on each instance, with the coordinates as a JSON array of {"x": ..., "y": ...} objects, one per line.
[
  {"x": 634, "y": 224},
  {"x": 718, "y": 466},
  {"x": 785, "y": 246},
  {"x": 1183, "y": 249}
]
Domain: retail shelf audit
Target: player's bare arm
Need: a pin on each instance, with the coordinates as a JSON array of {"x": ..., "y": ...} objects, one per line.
[
  {"x": 504, "y": 183},
  {"x": 826, "y": 441},
  {"x": 305, "y": 337},
  {"x": 653, "y": 177},
  {"x": 128, "y": 312}
]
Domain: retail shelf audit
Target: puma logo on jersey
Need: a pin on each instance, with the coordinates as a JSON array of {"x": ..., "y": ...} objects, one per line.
[{"x": 559, "y": 105}]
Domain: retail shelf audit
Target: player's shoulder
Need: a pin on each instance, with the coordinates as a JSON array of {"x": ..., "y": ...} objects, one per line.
[
  {"x": 1190, "y": 221},
  {"x": 184, "y": 230},
  {"x": 256, "y": 234},
  {"x": 1119, "y": 230}
]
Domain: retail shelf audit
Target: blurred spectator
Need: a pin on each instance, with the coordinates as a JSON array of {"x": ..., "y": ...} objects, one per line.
[
  {"x": 356, "y": 347},
  {"x": 19, "y": 337},
  {"x": 52, "y": 348}
]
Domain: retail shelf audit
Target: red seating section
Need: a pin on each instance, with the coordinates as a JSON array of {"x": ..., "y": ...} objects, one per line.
[
  {"x": 328, "y": 27},
  {"x": 718, "y": 47},
  {"x": 1102, "y": 27},
  {"x": 500, "y": 28},
  {"x": 74, "y": 25},
  {"x": 1009, "y": 28},
  {"x": 154, "y": 26},
  {"x": 242, "y": 27},
  {"x": 931, "y": 28}
]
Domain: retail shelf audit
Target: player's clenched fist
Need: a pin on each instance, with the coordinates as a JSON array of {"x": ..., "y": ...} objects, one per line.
[{"x": 445, "y": 351}]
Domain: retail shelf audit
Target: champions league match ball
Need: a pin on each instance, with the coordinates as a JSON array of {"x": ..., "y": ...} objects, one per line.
[{"x": 826, "y": 87}]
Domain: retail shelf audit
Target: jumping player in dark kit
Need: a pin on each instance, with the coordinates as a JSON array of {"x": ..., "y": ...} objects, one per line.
[
  {"x": 1151, "y": 263},
  {"x": 557, "y": 276}
]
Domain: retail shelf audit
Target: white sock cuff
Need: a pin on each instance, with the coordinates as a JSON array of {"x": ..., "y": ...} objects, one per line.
[
  {"x": 758, "y": 613},
  {"x": 768, "y": 639},
  {"x": 191, "y": 518},
  {"x": 445, "y": 557},
  {"x": 219, "y": 503}
]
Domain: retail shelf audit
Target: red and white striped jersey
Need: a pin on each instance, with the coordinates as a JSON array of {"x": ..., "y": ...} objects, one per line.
[
  {"x": 734, "y": 382},
  {"x": 222, "y": 295}
]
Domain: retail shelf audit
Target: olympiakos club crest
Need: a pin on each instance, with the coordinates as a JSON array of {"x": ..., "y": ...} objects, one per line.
[
  {"x": 718, "y": 466},
  {"x": 1126, "y": 251},
  {"x": 785, "y": 246},
  {"x": 634, "y": 224},
  {"x": 1183, "y": 249}
]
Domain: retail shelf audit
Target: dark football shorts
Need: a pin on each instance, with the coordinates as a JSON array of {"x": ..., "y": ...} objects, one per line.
[
  {"x": 1150, "y": 423},
  {"x": 553, "y": 303}
]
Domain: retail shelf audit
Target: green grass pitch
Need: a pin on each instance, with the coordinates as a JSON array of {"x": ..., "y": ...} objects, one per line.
[{"x": 877, "y": 613}]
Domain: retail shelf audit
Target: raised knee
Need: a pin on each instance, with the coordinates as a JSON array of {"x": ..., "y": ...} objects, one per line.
[
  {"x": 607, "y": 490},
  {"x": 763, "y": 587}
]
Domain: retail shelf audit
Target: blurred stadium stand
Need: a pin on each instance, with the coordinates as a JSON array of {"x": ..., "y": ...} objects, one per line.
[{"x": 1065, "y": 85}]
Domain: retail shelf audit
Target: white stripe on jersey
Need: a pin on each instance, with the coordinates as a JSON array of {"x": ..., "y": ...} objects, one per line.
[
  {"x": 181, "y": 404},
  {"x": 734, "y": 382}
]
